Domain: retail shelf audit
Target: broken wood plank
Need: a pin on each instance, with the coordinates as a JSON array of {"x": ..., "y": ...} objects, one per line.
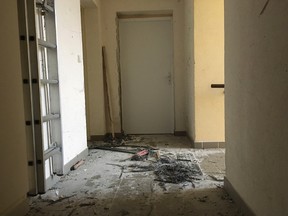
[
  {"x": 77, "y": 165},
  {"x": 114, "y": 149},
  {"x": 143, "y": 152},
  {"x": 107, "y": 88}
]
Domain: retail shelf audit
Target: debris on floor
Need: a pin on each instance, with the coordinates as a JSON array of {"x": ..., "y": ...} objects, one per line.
[
  {"x": 110, "y": 183},
  {"x": 77, "y": 165},
  {"x": 219, "y": 178},
  {"x": 117, "y": 140},
  {"x": 168, "y": 168},
  {"x": 173, "y": 171},
  {"x": 140, "y": 156},
  {"x": 51, "y": 195}
]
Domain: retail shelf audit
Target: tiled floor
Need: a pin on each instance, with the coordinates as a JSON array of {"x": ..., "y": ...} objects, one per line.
[{"x": 103, "y": 187}]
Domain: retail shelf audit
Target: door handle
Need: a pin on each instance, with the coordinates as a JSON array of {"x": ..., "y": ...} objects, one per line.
[{"x": 217, "y": 86}]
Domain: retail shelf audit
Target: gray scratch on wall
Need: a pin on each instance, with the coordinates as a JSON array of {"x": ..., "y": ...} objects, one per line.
[{"x": 264, "y": 8}]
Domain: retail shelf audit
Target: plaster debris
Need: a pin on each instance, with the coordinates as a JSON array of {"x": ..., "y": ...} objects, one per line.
[
  {"x": 109, "y": 184},
  {"x": 169, "y": 168},
  {"x": 217, "y": 177},
  {"x": 50, "y": 196}
]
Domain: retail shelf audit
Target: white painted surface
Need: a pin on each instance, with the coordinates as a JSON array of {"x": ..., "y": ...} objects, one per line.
[
  {"x": 71, "y": 78},
  {"x": 146, "y": 76},
  {"x": 256, "y": 103},
  {"x": 13, "y": 155},
  {"x": 109, "y": 34}
]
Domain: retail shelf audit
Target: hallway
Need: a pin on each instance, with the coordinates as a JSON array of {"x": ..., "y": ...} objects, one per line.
[{"x": 109, "y": 184}]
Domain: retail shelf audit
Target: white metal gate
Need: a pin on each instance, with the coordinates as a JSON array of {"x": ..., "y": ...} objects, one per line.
[{"x": 41, "y": 92}]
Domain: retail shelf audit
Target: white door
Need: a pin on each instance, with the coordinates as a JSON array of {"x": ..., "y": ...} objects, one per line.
[{"x": 146, "y": 60}]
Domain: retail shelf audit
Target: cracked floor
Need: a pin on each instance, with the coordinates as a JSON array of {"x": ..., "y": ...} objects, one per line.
[{"x": 101, "y": 187}]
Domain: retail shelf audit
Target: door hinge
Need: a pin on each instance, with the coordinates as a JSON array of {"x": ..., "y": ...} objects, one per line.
[
  {"x": 36, "y": 122},
  {"x": 22, "y": 37},
  {"x": 31, "y": 38},
  {"x": 39, "y": 162},
  {"x": 30, "y": 163}
]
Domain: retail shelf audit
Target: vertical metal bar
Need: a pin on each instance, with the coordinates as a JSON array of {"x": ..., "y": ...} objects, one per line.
[
  {"x": 54, "y": 89},
  {"x": 26, "y": 70},
  {"x": 31, "y": 10}
]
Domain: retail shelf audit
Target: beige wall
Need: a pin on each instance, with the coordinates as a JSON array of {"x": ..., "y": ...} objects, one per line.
[
  {"x": 109, "y": 34},
  {"x": 209, "y": 68},
  {"x": 12, "y": 123},
  {"x": 189, "y": 68},
  {"x": 256, "y": 103},
  {"x": 92, "y": 44}
]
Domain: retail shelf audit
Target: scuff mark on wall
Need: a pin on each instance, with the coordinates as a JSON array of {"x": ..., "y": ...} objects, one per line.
[{"x": 264, "y": 8}]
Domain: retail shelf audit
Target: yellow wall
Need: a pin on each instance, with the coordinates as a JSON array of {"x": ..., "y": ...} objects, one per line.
[
  {"x": 94, "y": 91},
  {"x": 13, "y": 158},
  {"x": 209, "y": 68}
]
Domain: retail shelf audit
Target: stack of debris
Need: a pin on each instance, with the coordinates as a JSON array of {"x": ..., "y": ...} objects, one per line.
[{"x": 168, "y": 168}]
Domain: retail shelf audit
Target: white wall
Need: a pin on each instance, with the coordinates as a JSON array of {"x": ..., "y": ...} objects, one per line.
[
  {"x": 189, "y": 64},
  {"x": 256, "y": 103},
  {"x": 12, "y": 122},
  {"x": 71, "y": 78},
  {"x": 109, "y": 35}
]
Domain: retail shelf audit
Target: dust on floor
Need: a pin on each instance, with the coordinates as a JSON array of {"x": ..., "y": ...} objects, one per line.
[{"x": 104, "y": 185}]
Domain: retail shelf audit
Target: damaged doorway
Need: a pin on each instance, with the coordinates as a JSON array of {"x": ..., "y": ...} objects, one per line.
[{"x": 146, "y": 62}]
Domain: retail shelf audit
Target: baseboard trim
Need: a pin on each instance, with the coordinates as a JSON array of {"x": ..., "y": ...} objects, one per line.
[
  {"x": 19, "y": 209},
  {"x": 119, "y": 135},
  {"x": 102, "y": 137},
  {"x": 80, "y": 156},
  {"x": 180, "y": 133},
  {"x": 237, "y": 198},
  {"x": 97, "y": 138},
  {"x": 208, "y": 145}
]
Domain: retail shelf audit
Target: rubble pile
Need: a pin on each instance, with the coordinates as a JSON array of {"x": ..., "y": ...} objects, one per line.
[{"x": 172, "y": 171}]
